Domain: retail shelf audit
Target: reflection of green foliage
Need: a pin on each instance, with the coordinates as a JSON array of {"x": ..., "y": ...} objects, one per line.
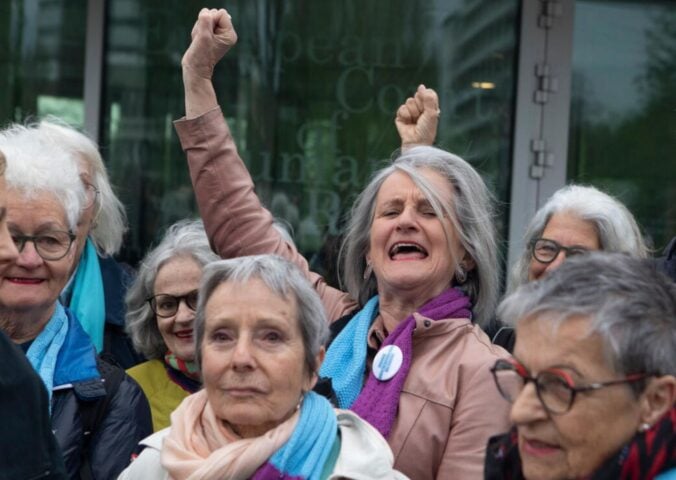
[
  {"x": 69, "y": 109},
  {"x": 42, "y": 45},
  {"x": 659, "y": 79},
  {"x": 311, "y": 90},
  {"x": 634, "y": 157}
]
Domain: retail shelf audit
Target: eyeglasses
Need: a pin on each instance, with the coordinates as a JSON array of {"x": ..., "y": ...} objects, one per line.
[
  {"x": 50, "y": 246},
  {"x": 554, "y": 387},
  {"x": 92, "y": 194},
  {"x": 165, "y": 305},
  {"x": 545, "y": 250}
]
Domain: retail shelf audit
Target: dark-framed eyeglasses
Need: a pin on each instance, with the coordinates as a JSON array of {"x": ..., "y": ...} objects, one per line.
[
  {"x": 49, "y": 245},
  {"x": 165, "y": 305},
  {"x": 92, "y": 194},
  {"x": 545, "y": 250},
  {"x": 555, "y": 388}
]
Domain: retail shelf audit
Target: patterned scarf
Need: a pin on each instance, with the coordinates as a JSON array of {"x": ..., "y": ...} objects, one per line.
[
  {"x": 646, "y": 456},
  {"x": 345, "y": 362},
  {"x": 189, "y": 369},
  {"x": 44, "y": 351},
  {"x": 199, "y": 446}
]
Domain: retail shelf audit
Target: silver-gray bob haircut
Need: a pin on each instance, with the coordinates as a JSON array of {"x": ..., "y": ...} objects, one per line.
[
  {"x": 471, "y": 212},
  {"x": 285, "y": 280},
  {"x": 630, "y": 305},
  {"x": 186, "y": 238}
]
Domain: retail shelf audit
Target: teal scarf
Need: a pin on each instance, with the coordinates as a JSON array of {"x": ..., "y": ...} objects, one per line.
[
  {"x": 345, "y": 361},
  {"x": 44, "y": 350},
  {"x": 88, "y": 301},
  {"x": 304, "y": 455}
]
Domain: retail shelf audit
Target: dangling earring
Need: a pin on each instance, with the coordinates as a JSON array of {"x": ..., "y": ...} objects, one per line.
[
  {"x": 460, "y": 275},
  {"x": 368, "y": 271}
]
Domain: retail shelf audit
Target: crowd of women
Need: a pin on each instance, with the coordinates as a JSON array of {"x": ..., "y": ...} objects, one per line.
[{"x": 242, "y": 363}]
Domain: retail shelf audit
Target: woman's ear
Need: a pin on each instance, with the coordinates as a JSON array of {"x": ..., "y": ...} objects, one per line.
[
  {"x": 468, "y": 264},
  {"x": 319, "y": 359},
  {"x": 658, "y": 398}
]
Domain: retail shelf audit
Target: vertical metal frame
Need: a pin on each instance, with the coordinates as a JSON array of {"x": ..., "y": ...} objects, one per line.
[
  {"x": 542, "y": 112},
  {"x": 93, "y": 66}
]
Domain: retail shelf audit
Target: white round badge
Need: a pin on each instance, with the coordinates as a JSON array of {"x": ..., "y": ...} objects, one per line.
[{"x": 387, "y": 362}]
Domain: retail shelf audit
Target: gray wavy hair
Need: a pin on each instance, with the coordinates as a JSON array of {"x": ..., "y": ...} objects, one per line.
[
  {"x": 185, "y": 238},
  {"x": 35, "y": 166},
  {"x": 111, "y": 221},
  {"x": 285, "y": 280},
  {"x": 630, "y": 305},
  {"x": 615, "y": 225},
  {"x": 471, "y": 213}
]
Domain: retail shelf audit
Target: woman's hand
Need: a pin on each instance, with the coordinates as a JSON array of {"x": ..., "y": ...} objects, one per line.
[
  {"x": 418, "y": 117},
  {"x": 212, "y": 36}
]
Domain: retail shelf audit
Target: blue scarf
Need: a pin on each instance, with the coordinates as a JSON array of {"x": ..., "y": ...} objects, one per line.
[
  {"x": 44, "y": 350},
  {"x": 345, "y": 362},
  {"x": 88, "y": 301},
  {"x": 304, "y": 454},
  {"x": 377, "y": 401}
]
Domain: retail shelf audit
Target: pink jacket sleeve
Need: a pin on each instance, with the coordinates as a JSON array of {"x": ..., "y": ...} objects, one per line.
[
  {"x": 480, "y": 413},
  {"x": 235, "y": 220}
]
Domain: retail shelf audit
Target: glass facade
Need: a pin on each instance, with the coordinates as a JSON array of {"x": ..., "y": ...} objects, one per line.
[
  {"x": 42, "y": 60},
  {"x": 623, "y": 108},
  {"x": 312, "y": 87},
  {"x": 310, "y": 92}
]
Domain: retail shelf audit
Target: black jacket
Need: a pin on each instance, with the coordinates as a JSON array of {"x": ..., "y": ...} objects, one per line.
[
  {"x": 28, "y": 450},
  {"x": 127, "y": 422},
  {"x": 116, "y": 280},
  {"x": 77, "y": 381}
]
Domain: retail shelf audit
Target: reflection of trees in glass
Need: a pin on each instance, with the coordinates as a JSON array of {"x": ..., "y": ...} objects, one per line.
[
  {"x": 478, "y": 70},
  {"x": 634, "y": 157},
  {"x": 142, "y": 95},
  {"x": 310, "y": 92},
  {"x": 41, "y": 54},
  {"x": 318, "y": 94},
  {"x": 336, "y": 87},
  {"x": 659, "y": 79}
]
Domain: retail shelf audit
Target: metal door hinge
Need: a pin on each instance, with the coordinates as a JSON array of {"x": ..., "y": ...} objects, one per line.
[
  {"x": 546, "y": 83},
  {"x": 542, "y": 158},
  {"x": 551, "y": 9}
]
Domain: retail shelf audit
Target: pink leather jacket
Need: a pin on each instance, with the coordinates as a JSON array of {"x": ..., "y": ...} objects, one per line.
[{"x": 449, "y": 405}]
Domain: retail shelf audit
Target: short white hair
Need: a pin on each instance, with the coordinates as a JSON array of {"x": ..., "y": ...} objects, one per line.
[
  {"x": 36, "y": 166},
  {"x": 111, "y": 222}
]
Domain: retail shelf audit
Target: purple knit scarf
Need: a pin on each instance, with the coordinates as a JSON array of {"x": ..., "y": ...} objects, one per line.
[{"x": 378, "y": 401}]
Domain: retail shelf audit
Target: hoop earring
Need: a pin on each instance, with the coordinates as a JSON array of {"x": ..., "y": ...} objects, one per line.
[
  {"x": 368, "y": 271},
  {"x": 300, "y": 400},
  {"x": 460, "y": 275}
]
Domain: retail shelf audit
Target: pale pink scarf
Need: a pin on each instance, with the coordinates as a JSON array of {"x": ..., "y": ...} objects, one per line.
[{"x": 200, "y": 446}]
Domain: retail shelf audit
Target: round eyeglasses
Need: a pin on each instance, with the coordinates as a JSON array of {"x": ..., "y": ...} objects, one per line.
[
  {"x": 49, "y": 245},
  {"x": 545, "y": 250},
  {"x": 165, "y": 305},
  {"x": 554, "y": 387}
]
